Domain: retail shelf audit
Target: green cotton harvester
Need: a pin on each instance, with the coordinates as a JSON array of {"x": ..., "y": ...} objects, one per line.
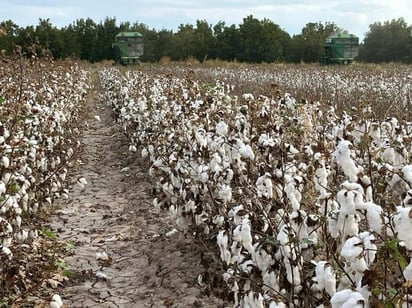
[
  {"x": 128, "y": 47},
  {"x": 340, "y": 48}
]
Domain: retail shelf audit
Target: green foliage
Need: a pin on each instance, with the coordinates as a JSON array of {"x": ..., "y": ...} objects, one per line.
[
  {"x": 390, "y": 41},
  {"x": 48, "y": 233},
  {"x": 253, "y": 41}
]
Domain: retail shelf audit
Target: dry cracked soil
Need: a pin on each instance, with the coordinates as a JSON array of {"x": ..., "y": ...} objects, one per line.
[{"x": 112, "y": 216}]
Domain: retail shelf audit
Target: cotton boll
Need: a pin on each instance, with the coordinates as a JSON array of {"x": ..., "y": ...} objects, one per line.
[
  {"x": 370, "y": 248},
  {"x": 325, "y": 277},
  {"x": 225, "y": 193},
  {"x": 246, "y": 151},
  {"x": 407, "y": 272},
  {"x": 403, "y": 225},
  {"x": 347, "y": 299},
  {"x": 56, "y": 302},
  {"x": 244, "y": 236},
  {"x": 352, "y": 248},
  {"x": 5, "y": 161},
  {"x": 270, "y": 282},
  {"x": 343, "y": 159},
  {"x": 407, "y": 173},
  {"x": 374, "y": 217},
  {"x": 274, "y": 304},
  {"x": 264, "y": 186},
  {"x": 222, "y": 242},
  {"x": 252, "y": 300},
  {"x": 222, "y": 128}
]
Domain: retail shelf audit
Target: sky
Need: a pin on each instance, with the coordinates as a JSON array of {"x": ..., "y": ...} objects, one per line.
[{"x": 355, "y": 16}]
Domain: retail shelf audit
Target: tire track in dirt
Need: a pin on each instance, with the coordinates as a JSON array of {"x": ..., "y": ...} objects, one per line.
[{"x": 113, "y": 213}]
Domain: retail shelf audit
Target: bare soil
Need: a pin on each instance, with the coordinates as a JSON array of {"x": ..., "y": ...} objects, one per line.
[{"x": 113, "y": 214}]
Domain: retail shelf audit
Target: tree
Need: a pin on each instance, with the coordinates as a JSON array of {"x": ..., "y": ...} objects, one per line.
[
  {"x": 185, "y": 42},
  {"x": 8, "y": 33},
  {"x": 308, "y": 46},
  {"x": 261, "y": 41},
  {"x": 87, "y": 36},
  {"x": 388, "y": 41},
  {"x": 227, "y": 42}
]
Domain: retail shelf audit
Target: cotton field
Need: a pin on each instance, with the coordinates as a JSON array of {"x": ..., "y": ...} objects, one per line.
[
  {"x": 40, "y": 105},
  {"x": 304, "y": 202}
]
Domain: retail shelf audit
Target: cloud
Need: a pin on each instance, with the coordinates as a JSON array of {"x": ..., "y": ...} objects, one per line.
[{"x": 291, "y": 15}]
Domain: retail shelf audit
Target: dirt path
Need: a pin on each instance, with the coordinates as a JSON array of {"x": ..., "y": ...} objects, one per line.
[{"x": 113, "y": 214}]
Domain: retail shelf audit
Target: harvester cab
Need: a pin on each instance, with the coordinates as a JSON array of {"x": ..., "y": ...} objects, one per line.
[
  {"x": 340, "y": 48},
  {"x": 128, "y": 47}
]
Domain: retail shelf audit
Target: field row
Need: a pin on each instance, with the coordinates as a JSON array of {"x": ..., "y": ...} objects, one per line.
[
  {"x": 40, "y": 104},
  {"x": 302, "y": 203}
]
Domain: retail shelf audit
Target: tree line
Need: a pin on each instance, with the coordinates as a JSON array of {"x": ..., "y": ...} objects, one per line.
[{"x": 253, "y": 41}]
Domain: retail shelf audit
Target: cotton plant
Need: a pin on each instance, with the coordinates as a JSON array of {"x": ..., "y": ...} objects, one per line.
[
  {"x": 343, "y": 158},
  {"x": 231, "y": 155}
]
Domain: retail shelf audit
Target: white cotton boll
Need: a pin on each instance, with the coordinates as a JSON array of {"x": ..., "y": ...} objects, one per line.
[
  {"x": 218, "y": 220},
  {"x": 222, "y": 242},
  {"x": 225, "y": 193},
  {"x": 407, "y": 173},
  {"x": 347, "y": 299},
  {"x": 347, "y": 203},
  {"x": 270, "y": 282},
  {"x": 102, "y": 256},
  {"x": 274, "y": 304},
  {"x": 291, "y": 149},
  {"x": 262, "y": 259},
  {"x": 370, "y": 247},
  {"x": 252, "y": 300},
  {"x": 215, "y": 163},
  {"x": 248, "y": 96},
  {"x": 347, "y": 224},
  {"x": 343, "y": 158},
  {"x": 56, "y": 302},
  {"x": 407, "y": 272},
  {"x": 144, "y": 153},
  {"x": 264, "y": 186},
  {"x": 359, "y": 265},
  {"x": 293, "y": 195},
  {"x": 352, "y": 248},
  {"x": 246, "y": 151},
  {"x": 407, "y": 201},
  {"x": 132, "y": 148},
  {"x": 403, "y": 225},
  {"x": 325, "y": 277},
  {"x": 222, "y": 128},
  {"x": 2, "y": 188},
  {"x": 292, "y": 272},
  {"x": 374, "y": 217},
  {"x": 4, "y": 250},
  {"x": 5, "y": 161}
]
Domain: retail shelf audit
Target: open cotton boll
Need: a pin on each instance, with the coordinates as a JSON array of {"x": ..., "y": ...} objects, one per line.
[
  {"x": 246, "y": 151},
  {"x": 225, "y": 193},
  {"x": 242, "y": 234},
  {"x": 222, "y": 128},
  {"x": 407, "y": 272},
  {"x": 325, "y": 277},
  {"x": 407, "y": 173},
  {"x": 222, "y": 242},
  {"x": 343, "y": 159},
  {"x": 403, "y": 225},
  {"x": 374, "y": 217},
  {"x": 352, "y": 248},
  {"x": 347, "y": 299},
  {"x": 56, "y": 302}
]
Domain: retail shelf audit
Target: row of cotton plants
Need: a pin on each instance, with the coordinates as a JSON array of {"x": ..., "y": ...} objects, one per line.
[
  {"x": 40, "y": 103},
  {"x": 381, "y": 85},
  {"x": 306, "y": 207}
]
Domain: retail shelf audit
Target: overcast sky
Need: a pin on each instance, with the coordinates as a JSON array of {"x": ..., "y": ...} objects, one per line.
[{"x": 291, "y": 15}]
